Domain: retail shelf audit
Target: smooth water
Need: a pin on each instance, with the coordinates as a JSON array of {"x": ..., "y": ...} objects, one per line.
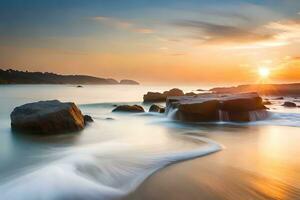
[{"x": 113, "y": 155}]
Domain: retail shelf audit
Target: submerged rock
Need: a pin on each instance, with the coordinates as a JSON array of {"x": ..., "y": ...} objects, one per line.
[
  {"x": 190, "y": 94},
  {"x": 267, "y": 102},
  {"x": 289, "y": 104},
  {"x": 213, "y": 107},
  {"x": 87, "y": 119},
  {"x": 47, "y": 117},
  {"x": 109, "y": 118},
  {"x": 279, "y": 98},
  {"x": 128, "y": 108},
  {"x": 156, "y": 108},
  {"x": 161, "y": 97},
  {"x": 201, "y": 90}
]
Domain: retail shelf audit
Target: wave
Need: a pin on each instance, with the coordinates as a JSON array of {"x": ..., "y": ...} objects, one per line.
[{"x": 107, "y": 170}]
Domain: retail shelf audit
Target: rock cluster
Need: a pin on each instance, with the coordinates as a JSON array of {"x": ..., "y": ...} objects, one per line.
[{"x": 214, "y": 107}]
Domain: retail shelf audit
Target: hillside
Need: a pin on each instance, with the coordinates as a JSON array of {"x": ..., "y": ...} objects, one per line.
[{"x": 20, "y": 77}]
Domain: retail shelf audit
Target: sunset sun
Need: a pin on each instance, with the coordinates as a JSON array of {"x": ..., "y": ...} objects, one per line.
[{"x": 264, "y": 72}]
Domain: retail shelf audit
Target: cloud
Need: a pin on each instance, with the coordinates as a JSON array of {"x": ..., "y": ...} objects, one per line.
[
  {"x": 270, "y": 34},
  {"x": 217, "y": 33},
  {"x": 144, "y": 30},
  {"x": 113, "y": 21},
  {"x": 288, "y": 30},
  {"x": 123, "y": 24}
]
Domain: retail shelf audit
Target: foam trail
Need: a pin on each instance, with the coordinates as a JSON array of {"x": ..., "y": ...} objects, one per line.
[
  {"x": 171, "y": 113},
  {"x": 108, "y": 170}
]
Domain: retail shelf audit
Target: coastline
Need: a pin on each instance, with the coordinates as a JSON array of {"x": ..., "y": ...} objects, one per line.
[{"x": 228, "y": 175}]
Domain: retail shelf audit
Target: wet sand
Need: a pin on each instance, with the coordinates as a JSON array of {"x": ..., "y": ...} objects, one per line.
[{"x": 257, "y": 163}]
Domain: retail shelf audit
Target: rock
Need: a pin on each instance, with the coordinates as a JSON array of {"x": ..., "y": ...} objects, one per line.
[
  {"x": 127, "y": 108},
  {"x": 173, "y": 92},
  {"x": 109, "y": 118},
  {"x": 47, "y": 117},
  {"x": 279, "y": 98},
  {"x": 161, "y": 97},
  {"x": 201, "y": 90},
  {"x": 289, "y": 104},
  {"x": 87, "y": 119},
  {"x": 79, "y": 86},
  {"x": 154, "y": 97},
  {"x": 128, "y": 82},
  {"x": 190, "y": 94},
  {"x": 156, "y": 108},
  {"x": 214, "y": 107},
  {"x": 267, "y": 102}
]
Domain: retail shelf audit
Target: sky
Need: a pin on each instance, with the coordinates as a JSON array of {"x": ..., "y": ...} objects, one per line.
[{"x": 154, "y": 41}]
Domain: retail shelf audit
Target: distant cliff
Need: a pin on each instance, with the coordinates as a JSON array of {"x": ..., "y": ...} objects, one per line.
[
  {"x": 20, "y": 77},
  {"x": 291, "y": 89}
]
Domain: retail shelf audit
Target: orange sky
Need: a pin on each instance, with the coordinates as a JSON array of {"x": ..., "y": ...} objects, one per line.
[{"x": 211, "y": 47}]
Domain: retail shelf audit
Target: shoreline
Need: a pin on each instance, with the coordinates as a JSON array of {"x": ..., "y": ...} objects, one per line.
[{"x": 225, "y": 175}]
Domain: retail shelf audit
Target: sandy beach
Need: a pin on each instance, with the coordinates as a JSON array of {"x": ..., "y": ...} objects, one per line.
[{"x": 258, "y": 163}]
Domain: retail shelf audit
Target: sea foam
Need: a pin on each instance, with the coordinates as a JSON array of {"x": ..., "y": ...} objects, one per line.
[{"x": 108, "y": 170}]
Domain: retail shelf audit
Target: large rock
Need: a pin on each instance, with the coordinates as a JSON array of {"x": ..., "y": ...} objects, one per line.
[
  {"x": 214, "y": 107},
  {"x": 128, "y": 108},
  {"x": 47, "y": 117},
  {"x": 161, "y": 97}
]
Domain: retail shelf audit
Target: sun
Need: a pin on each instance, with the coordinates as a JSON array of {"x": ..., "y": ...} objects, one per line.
[{"x": 264, "y": 72}]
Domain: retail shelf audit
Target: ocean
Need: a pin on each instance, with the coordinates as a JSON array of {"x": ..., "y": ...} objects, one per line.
[{"x": 113, "y": 156}]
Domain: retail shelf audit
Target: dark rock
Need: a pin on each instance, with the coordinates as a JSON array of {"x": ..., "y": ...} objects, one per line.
[
  {"x": 47, "y": 117},
  {"x": 201, "y": 90},
  {"x": 213, "y": 107},
  {"x": 279, "y": 98},
  {"x": 128, "y": 108},
  {"x": 87, "y": 119},
  {"x": 128, "y": 82},
  {"x": 190, "y": 94},
  {"x": 79, "y": 86},
  {"x": 174, "y": 92},
  {"x": 161, "y": 97},
  {"x": 267, "y": 102},
  {"x": 109, "y": 118},
  {"x": 156, "y": 108},
  {"x": 154, "y": 97},
  {"x": 289, "y": 104}
]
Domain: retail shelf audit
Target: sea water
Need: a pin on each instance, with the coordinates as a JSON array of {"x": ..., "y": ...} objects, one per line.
[{"x": 113, "y": 155}]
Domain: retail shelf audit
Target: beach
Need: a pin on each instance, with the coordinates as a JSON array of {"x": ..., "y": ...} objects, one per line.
[{"x": 257, "y": 163}]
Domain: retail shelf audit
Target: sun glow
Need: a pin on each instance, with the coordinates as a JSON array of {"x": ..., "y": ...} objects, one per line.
[{"x": 264, "y": 72}]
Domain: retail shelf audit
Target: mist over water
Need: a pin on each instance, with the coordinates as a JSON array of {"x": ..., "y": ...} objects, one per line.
[{"x": 112, "y": 157}]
